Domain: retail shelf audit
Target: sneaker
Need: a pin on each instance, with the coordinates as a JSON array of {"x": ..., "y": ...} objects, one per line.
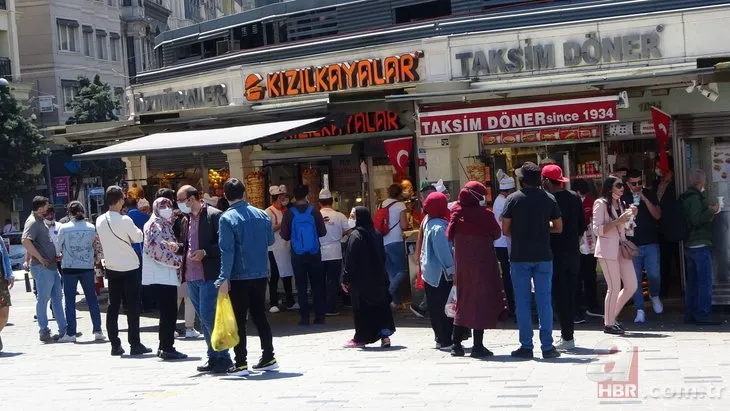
[
  {"x": 266, "y": 365},
  {"x": 274, "y": 309},
  {"x": 457, "y": 350},
  {"x": 67, "y": 339},
  {"x": 239, "y": 370},
  {"x": 117, "y": 351},
  {"x": 171, "y": 355},
  {"x": 221, "y": 367},
  {"x": 191, "y": 334},
  {"x": 180, "y": 333},
  {"x": 139, "y": 350},
  {"x": 564, "y": 345},
  {"x": 480, "y": 352},
  {"x": 613, "y": 330},
  {"x": 293, "y": 307},
  {"x": 551, "y": 353},
  {"x": 207, "y": 366},
  {"x": 332, "y": 314},
  {"x": 656, "y": 303},
  {"x": 385, "y": 342},
  {"x": 46, "y": 336},
  {"x": 640, "y": 316},
  {"x": 443, "y": 347},
  {"x": 353, "y": 344},
  {"x": 594, "y": 312},
  {"x": 522, "y": 352},
  {"x": 417, "y": 312},
  {"x": 579, "y": 318},
  {"x": 99, "y": 336}
]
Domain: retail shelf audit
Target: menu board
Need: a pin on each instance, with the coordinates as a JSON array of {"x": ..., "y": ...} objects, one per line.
[
  {"x": 720, "y": 163},
  {"x": 543, "y": 135}
]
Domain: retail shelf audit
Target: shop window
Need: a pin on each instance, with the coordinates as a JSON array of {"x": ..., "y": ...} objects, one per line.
[{"x": 423, "y": 11}]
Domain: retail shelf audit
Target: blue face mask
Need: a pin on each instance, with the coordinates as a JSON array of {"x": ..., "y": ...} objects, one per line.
[{"x": 184, "y": 208}]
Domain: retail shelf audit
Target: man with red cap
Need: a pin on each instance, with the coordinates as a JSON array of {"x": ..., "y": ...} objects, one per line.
[{"x": 566, "y": 251}]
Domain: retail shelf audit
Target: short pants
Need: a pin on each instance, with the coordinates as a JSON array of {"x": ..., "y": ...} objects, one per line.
[{"x": 4, "y": 293}]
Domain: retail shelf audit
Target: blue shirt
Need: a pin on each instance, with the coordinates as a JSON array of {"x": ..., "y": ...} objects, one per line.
[
  {"x": 244, "y": 236},
  {"x": 140, "y": 219},
  {"x": 437, "y": 258},
  {"x": 7, "y": 267}
]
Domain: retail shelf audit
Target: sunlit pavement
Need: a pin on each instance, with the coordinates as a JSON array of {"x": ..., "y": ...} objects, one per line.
[{"x": 678, "y": 367}]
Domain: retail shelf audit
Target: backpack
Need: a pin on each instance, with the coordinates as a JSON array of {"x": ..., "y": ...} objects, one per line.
[
  {"x": 381, "y": 221},
  {"x": 675, "y": 224},
  {"x": 304, "y": 237}
]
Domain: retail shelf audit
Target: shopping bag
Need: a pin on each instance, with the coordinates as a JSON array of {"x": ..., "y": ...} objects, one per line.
[
  {"x": 225, "y": 329},
  {"x": 450, "y": 308}
]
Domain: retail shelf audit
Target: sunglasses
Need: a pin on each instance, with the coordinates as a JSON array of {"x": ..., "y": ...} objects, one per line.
[
  {"x": 619, "y": 185},
  {"x": 635, "y": 183}
]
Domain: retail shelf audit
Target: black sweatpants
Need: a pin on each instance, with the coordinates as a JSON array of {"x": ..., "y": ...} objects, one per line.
[
  {"x": 442, "y": 325},
  {"x": 123, "y": 285},
  {"x": 586, "y": 291},
  {"x": 274, "y": 284},
  {"x": 503, "y": 257},
  {"x": 249, "y": 296},
  {"x": 566, "y": 267},
  {"x": 167, "y": 304}
]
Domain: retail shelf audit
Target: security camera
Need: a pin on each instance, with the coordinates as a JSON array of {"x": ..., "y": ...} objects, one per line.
[
  {"x": 710, "y": 94},
  {"x": 691, "y": 87}
]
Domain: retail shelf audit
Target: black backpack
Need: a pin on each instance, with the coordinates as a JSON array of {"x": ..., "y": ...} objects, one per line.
[{"x": 674, "y": 223}]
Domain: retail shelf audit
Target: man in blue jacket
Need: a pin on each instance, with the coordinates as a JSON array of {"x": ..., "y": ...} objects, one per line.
[
  {"x": 245, "y": 271},
  {"x": 6, "y": 283}
]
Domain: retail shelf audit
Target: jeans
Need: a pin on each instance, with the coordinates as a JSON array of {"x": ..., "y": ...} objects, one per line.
[
  {"x": 443, "y": 326},
  {"x": 648, "y": 257},
  {"x": 333, "y": 279},
  {"x": 395, "y": 265},
  {"x": 586, "y": 291},
  {"x": 566, "y": 269},
  {"x": 70, "y": 282},
  {"x": 167, "y": 304},
  {"x": 503, "y": 257},
  {"x": 274, "y": 284},
  {"x": 308, "y": 271},
  {"x": 48, "y": 283},
  {"x": 124, "y": 285},
  {"x": 541, "y": 273},
  {"x": 698, "y": 287},
  {"x": 204, "y": 296},
  {"x": 249, "y": 296}
]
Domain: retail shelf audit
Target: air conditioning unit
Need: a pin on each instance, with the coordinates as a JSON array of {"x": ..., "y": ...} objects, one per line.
[{"x": 221, "y": 47}]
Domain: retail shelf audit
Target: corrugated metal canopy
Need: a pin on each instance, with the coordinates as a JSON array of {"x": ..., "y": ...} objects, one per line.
[{"x": 196, "y": 140}]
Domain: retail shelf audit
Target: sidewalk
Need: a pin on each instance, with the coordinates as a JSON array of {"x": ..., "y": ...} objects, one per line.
[{"x": 674, "y": 364}]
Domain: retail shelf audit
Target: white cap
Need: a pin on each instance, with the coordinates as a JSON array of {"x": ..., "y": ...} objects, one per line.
[
  {"x": 506, "y": 183},
  {"x": 142, "y": 203},
  {"x": 277, "y": 190},
  {"x": 325, "y": 194},
  {"x": 439, "y": 186}
]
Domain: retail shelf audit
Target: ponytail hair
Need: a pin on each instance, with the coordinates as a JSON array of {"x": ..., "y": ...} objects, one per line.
[{"x": 76, "y": 211}]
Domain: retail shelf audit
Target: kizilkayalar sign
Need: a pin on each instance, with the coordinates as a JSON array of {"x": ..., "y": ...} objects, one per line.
[{"x": 590, "y": 51}]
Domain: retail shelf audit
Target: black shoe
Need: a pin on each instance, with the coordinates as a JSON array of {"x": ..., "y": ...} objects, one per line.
[
  {"x": 708, "y": 322},
  {"x": 551, "y": 353},
  {"x": 239, "y": 370},
  {"x": 266, "y": 365},
  {"x": 171, "y": 355},
  {"x": 613, "y": 330},
  {"x": 579, "y": 318},
  {"x": 457, "y": 350},
  {"x": 319, "y": 321},
  {"x": 522, "y": 352},
  {"x": 139, "y": 350},
  {"x": 117, "y": 351},
  {"x": 207, "y": 367},
  {"x": 180, "y": 333},
  {"x": 221, "y": 367},
  {"x": 480, "y": 352}
]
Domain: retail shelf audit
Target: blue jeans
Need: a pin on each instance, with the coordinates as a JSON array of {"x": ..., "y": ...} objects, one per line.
[
  {"x": 648, "y": 258},
  {"x": 204, "y": 296},
  {"x": 70, "y": 281},
  {"x": 48, "y": 283},
  {"x": 541, "y": 274},
  {"x": 395, "y": 265},
  {"x": 698, "y": 287}
]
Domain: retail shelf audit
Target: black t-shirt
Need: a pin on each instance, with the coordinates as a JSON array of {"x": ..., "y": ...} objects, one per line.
[
  {"x": 574, "y": 223},
  {"x": 531, "y": 210},
  {"x": 647, "y": 228}
]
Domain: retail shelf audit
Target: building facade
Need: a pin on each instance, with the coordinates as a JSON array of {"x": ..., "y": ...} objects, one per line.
[{"x": 9, "y": 58}]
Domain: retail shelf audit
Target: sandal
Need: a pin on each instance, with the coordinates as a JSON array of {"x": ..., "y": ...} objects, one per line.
[
  {"x": 385, "y": 342},
  {"x": 353, "y": 344}
]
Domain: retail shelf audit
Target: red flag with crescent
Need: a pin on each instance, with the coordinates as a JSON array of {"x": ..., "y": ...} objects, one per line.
[
  {"x": 662, "y": 123},
  {"x": 399, "y": 153}
]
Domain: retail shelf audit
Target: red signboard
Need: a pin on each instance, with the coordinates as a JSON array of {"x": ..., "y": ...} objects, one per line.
[
  {"x": 526, "y": 116},
  {"x": 365, "y": 122}
]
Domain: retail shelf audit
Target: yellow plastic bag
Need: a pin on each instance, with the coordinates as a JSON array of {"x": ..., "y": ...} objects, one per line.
[{"x": 225, "y": 329}]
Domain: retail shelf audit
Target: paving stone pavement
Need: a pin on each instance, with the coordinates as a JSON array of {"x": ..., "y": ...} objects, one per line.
[{"x": 678, "y": 367}]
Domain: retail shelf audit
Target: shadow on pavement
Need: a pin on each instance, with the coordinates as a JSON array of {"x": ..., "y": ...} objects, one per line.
[
  {"x": 381, "y": 349},
  {"x": 5, "y": 354},
  {"x": 568, "y": 360},
  {"x": 272, "y": 375}
]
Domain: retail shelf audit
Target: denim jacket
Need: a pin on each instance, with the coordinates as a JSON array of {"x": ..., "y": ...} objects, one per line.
[
  {"x": 76, "y": 241},
  {"x": 7, "y": 267},
  {"x": 244, "y": 236},
  {"x": 437, "y": 258}
]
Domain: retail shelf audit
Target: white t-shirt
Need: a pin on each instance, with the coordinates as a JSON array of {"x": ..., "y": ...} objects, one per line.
[
  {"x": 498, "y": 209},
  {"x": 117, "y": 233},
  {"x": 396, "y": 233},
  {"x": 276, "y": 217},
  {"x": 331, "y": 244}
]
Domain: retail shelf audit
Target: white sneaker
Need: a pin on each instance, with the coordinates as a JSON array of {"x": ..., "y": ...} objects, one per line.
[
  {"x": 67, "y": 339},
  {"x": 640, "y": 316},
  {"x": 656, "y": 303},
  {"x": 274, "y": 309},
  {"x": 99, "y": 336},
  {"x": 190, "y": 333},
  {"x": 564, "y": 345}
]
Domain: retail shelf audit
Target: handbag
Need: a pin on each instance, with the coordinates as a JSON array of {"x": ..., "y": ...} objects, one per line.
[{"x": 628, "y": 249}]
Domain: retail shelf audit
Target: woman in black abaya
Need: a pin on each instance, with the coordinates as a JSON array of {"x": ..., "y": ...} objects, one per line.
[{"x": 365, "y": 279}]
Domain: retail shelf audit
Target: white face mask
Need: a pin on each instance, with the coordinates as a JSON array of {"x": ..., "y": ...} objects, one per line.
[
  {"x": 183, "y": 207},
  {"x": 482, "y": 199},
  {"x": 166, "y": 213},
  {"x": 702, "y": 190},
  {"x": 285, "y": 201},
  {"x": 351, "y": 223}
]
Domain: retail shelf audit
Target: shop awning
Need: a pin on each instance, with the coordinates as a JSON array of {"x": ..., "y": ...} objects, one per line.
[
  {"x": 318, "y": 153},
  {"x": 197, "y": 140}
]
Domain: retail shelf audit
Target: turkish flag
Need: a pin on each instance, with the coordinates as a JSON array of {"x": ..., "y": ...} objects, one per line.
[
  {"x": 399, "y": 153},
  {"x": 662, "y": 123}
]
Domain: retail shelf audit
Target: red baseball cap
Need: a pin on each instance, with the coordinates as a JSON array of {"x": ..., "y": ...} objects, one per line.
[{"x": 554, "y": 172}]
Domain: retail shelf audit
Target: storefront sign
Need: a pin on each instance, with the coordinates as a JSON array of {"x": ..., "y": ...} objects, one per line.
[
  {"x": 518, "y": 116},
  {"x": 169, "y": 100},
  {"x": 373, "y": 122},
  {"x": 540, "y": 57},
  {"x": 333, "y": 77},
  {"x": 61, "y": 187}
]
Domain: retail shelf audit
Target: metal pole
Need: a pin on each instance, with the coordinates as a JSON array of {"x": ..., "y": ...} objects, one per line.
[{"x": 49, "y": 182}]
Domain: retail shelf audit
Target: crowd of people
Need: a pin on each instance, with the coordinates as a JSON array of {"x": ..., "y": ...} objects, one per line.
[{"x": 537, "y": 247}]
